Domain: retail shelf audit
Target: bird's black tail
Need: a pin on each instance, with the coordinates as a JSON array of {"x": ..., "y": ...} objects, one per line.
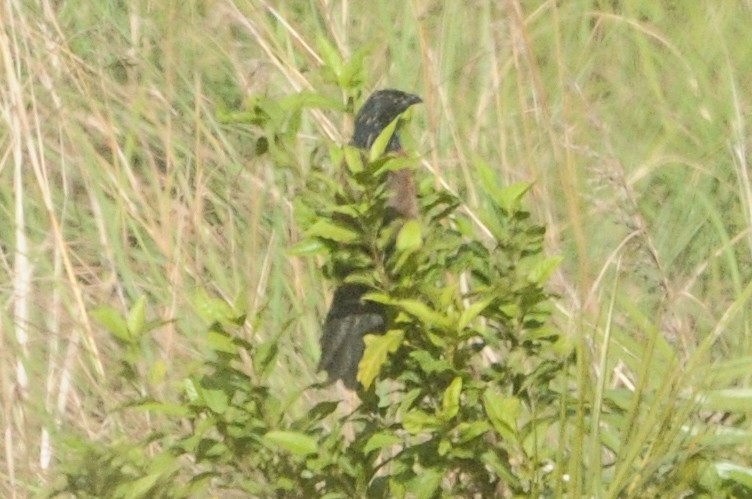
[{"x": 348, "y": 320}]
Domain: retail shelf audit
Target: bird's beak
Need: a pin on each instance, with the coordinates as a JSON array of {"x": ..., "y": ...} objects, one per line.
[{"x": 411, "y": 100}]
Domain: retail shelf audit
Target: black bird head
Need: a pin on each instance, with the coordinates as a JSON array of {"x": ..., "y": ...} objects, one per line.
[{"x": 379, "y": 110}]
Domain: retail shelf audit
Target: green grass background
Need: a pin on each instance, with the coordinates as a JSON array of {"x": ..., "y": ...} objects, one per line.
[{"x": 121, "y": 176}]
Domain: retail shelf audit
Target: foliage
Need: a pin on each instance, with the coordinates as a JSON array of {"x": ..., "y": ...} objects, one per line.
[
  {"x": 460, "y": 391},
  {"x": 468, "y": 393},
  {"x": 130, "y": 176},
  {"x": 459, "y": 395}
]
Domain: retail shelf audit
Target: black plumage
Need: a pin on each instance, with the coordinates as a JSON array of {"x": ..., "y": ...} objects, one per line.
[
  {"x": 350, "y": 318},
  {"x": 379, "y": 110}
]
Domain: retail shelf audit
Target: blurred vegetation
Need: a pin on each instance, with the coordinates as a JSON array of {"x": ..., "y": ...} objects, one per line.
[{"x": 163, "y": 163}]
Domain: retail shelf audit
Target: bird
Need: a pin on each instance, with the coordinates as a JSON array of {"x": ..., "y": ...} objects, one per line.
[{"x": 350, "y": 318}]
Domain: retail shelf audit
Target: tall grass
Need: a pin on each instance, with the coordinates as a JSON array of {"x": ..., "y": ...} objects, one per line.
[{"x": 122, "y": 174}]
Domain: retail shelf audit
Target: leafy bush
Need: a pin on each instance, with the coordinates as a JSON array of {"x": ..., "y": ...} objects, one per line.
[
  {"x": 468, "y": 393},
  {"x": 459, "y": 393}
]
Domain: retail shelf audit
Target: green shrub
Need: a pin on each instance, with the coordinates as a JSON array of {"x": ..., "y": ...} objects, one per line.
[
  {"x": 469, "y": 393},
  {"x": 459, "y": 395}
]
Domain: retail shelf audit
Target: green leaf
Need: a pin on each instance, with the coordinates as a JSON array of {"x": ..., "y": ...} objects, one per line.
[
  {"x": 330, "y": 55},
  {"x": 430, "y": 364},
  {"x": 216, "y": 310},
  {"x": 445, "y": 445},
  {"x": 410, "y": 237},
  {"x": 396, "y": 163},
  {"x": 219, "y": 341},
  {"x": 409, "y": 241},
  {"x": 111, "y": 319},
  {"x": 294, "y": 442},
  {"x": 321, "y": 410},
  {"x": 137, "y": 317},
  {"x": 500, "y": 467},
  {"x": 265, "y": 355},
  {"x": 503, "y": 413},
  {"x": 354, "y": 73},
  {"x": 163, "y": 408},
  {"x": 418, "y": 421},
  {"x": 326, "y": 229},
  {"x": 469, "y": 431},
  {"x": 380, "y": 440},
  {"x": 508, "y": 198},
  {"x": 425, "y": 484},
  {"x": 378, "y": 298},
  {"x": 471, "y": 312},
  {"x": 309, "y": 246},
  {"x": 379, "y": 145},
  {"x": 511, "y": 309},
  {"x": 451, "y": 401},
  {"x": 336, "y": 153},
  {"x": 308, "y": 99},
  {"x": 353, "y": 159},
  {"x": 438, "y": 340},
  {"x": 423, "y": 313},
  {"x": 540, "y": 273},
  {"x": 141, "y": 486},
  {"x": 157, "y": 372},
  {"x": 216, "y": 399},
  {"x": 378, "y": 347},
  {"x": 190, "y": 390},
  {"x": 489, "y": 180}
]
